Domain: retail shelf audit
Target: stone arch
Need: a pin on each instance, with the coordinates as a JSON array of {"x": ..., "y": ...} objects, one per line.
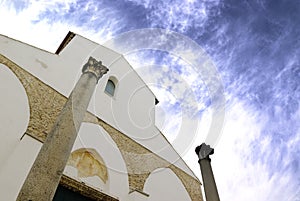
[
  {"x": 95, "y": 140},
  {"x": 42, "y": 113},
  {"x": 141, "y": 162},
  {"x": 161, "y": 183},
  {"x": 191, "y": 185}
]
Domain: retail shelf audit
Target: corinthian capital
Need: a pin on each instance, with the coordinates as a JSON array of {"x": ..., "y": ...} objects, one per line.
[
  {"x": 95, "y": 67},
  {"x": 203, "y": 151}
]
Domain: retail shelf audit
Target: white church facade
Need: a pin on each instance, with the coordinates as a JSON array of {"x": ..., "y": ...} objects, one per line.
[{"x": 119, "y": 153}]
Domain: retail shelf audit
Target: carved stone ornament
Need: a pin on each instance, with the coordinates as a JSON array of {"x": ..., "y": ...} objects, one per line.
[
  {"x": 95, "y": 67},
  {"x": 203, "y": 151}
]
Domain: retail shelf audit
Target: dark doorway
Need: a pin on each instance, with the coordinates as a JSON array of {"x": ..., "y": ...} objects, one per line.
[
  {"x": 70, "y": 189},
  {"x": 64, "y": 194}
]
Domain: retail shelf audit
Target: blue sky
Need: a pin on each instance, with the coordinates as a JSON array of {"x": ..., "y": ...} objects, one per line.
[{"x": 255, "y": 48}]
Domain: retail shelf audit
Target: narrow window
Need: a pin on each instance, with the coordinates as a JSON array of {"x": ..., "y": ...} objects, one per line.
[{"x": 110, "y": 87}]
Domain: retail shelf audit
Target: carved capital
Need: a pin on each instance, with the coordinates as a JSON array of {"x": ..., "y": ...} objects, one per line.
[
  {"x": 95, "y": 67},
  {"x": 203, "y": 151}
]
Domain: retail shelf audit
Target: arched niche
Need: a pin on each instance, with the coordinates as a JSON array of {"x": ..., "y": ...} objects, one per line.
[
  {"x": 163, "y": 184},
  {"x": 14, "y": 115},
  {"x": 95, "y": 140}
]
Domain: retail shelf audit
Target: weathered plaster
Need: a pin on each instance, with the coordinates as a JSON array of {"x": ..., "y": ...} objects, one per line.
[{"x": 88, "y": 163}]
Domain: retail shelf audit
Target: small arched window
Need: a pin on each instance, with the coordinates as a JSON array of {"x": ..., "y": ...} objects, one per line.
[{"x": 110, "y": 87}]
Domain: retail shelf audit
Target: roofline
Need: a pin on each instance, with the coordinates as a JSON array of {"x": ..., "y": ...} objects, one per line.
[
  {"x": 194, "y": 175},
  {"x": 65, "y": 42},
  {"x": 68, "y": 38},
  {"x": 22, "y": 42}
]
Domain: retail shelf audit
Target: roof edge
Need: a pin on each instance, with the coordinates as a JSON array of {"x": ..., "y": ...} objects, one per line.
[{"x": 65, "y": 42}]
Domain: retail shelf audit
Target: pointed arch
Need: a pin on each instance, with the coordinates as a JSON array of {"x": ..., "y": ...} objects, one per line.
[
  {"x": 94, "y": 146},
  {"x": 42, "y": 113},
  {"x": 163, "y": 184},
  {"x": 189, "y": 185}
]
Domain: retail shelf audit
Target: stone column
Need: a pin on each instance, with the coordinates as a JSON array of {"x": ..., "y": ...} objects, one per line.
[
  {"x": 45, "y": 173},
  {"x": 211, "y": 192}
]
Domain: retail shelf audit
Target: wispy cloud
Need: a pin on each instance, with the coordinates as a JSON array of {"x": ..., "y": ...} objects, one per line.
[
  {"x": 45, "y": 23},
  {"x": 255, "y": 46},
  {"x": 242, "y": 171},
  {"x": 181, "y": 16}
]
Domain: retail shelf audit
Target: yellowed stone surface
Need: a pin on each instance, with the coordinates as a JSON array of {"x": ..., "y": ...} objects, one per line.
[{"x": 88, "y": 163}]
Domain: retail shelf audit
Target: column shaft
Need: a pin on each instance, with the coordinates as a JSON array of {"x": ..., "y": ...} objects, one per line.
[
  {"x": 45, "y": 174},
  {"x": 210, "y": 188}
]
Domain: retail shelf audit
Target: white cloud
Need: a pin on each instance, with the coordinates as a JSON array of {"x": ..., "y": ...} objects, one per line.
[
  {"x": 240, "y": 172},
  {"x": 26, "y": 26},
  {"x": 19, "y": 25},
  {"x": 237, "y": 177}
]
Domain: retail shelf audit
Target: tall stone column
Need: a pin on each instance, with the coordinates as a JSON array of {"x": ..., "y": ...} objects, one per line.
[
  {"x": 211, "y": 192},
  {"x": 45, "y": 174}
]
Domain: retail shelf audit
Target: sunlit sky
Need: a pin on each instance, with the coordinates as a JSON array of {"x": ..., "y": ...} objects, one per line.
[{"x": 255, "y": 49}]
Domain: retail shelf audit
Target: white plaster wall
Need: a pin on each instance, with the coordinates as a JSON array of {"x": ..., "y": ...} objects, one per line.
[
  {"x": 62, "y": 71},
  {"x": 131, "y": 110},
  {"x": 14, "y": 118},
  {"x": 16, "y": 155},
  {"x": 163, "y": 184},
  {"x": 94, "y": 136},
  {"x": 15, "y": 169},
  {"x": 59, "y": 71}
]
